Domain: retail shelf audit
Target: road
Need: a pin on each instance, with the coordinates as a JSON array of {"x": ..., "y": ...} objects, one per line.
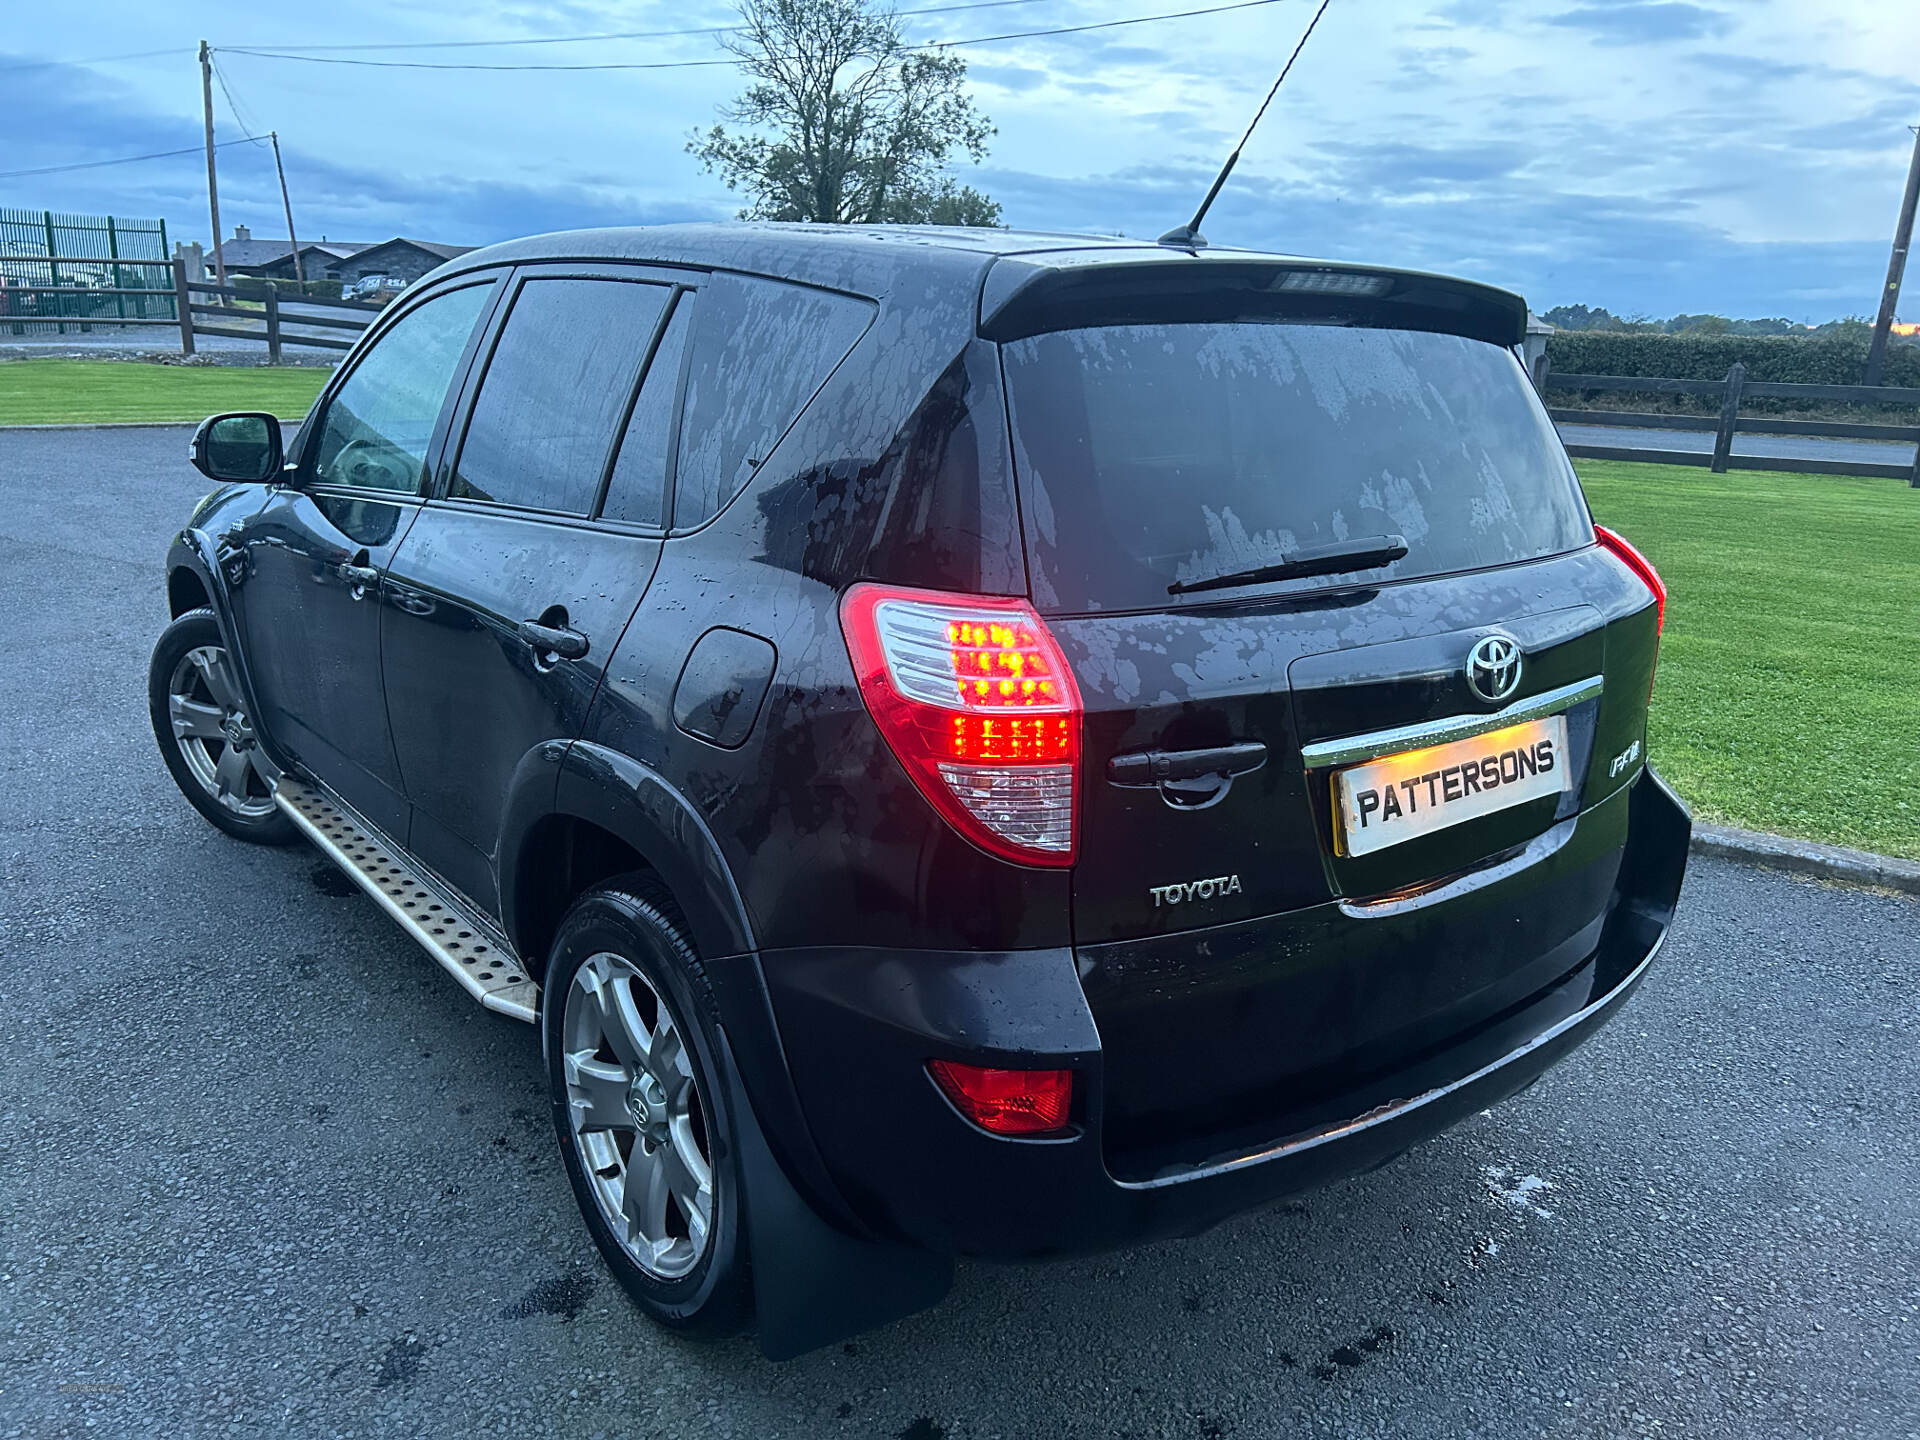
[
  {"x": 263, "y": 1171},
  {"x": 1798, "y": 447}
]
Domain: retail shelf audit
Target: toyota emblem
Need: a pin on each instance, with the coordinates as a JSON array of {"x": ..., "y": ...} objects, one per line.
[{"x": 1493, "y": 668}]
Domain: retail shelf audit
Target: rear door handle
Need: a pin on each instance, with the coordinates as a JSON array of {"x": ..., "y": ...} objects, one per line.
[
  {"x": 552, "y": 639},
  {"x": 1148, "y": 768}
]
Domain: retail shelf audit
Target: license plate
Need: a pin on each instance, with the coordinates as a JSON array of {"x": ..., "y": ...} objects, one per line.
[{"x": 1401, "y": 797}]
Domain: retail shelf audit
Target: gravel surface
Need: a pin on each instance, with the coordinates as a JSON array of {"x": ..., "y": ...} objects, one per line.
[
  {"x": 149, "y": 341},
  {"x": 264, "y": 1171}
]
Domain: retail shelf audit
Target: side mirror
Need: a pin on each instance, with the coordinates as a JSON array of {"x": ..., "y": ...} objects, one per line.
[{"x": 243, "y": 448}]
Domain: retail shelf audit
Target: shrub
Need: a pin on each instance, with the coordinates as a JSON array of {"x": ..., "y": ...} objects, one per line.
[
  {"x": 253, "y": 287},
  {"x": 1780, "y": 359}
]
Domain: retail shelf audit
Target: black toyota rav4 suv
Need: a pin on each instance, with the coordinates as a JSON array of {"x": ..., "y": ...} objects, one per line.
[{"x": 965, "y": 743}]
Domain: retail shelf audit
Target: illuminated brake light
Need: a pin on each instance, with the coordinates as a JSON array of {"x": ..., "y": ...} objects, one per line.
[
  {"x": 1641, "y": 567},
  {"x": 976, "y": 700},
  {"x": 1007, "y": 1102}
]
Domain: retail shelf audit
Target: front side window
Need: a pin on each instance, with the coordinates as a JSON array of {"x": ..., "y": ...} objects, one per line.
[
  {"x": 555, "y": 392},
  {"x": 380, "y": 421}
]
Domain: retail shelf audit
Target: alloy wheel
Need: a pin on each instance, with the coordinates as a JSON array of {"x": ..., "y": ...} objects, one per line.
[
  {"x": 215, "y": 737},
  {"x": 637, "y": 1116}
]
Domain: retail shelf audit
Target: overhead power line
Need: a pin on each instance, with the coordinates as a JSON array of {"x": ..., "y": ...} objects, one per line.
[
  {"x": 247, "y": 127},
  {"x": 610, "y": 34},
  {"x": 729, "y": 60},
  {"x": 486, "y": 44},
  {"x": 449, "y": 65},
  {"x": 127, "y": 159},
  {"x": 1096, "y": 25},
  {"x": 96, "y": 60}
]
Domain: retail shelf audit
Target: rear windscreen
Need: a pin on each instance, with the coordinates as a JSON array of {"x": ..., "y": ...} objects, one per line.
[{"x": 1155, "y": 454}]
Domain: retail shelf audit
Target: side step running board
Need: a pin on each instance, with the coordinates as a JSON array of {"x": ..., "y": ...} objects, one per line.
[{"x": 469, "y": 947}]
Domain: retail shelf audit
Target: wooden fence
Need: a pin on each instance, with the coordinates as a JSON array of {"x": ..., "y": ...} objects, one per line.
[
  {"x": 278, "y": 322},
  {"x": 274, "y": 320},
  {"x": 1732, "y": 392}
]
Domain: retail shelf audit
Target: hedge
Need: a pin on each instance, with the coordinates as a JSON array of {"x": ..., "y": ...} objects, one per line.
[
  {"x": 1778, "y": 358},
  {"x": 253, "y": 285}
]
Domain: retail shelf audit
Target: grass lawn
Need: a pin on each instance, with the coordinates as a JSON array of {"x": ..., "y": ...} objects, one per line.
[
  {"x": 56, "y": 392},
  {"x": 1789, "y": 689},
  {"x": 1788, "y": 696}
]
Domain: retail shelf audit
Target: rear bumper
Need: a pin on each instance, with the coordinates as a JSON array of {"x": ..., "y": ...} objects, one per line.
[{"x": 859, "y": 1026}]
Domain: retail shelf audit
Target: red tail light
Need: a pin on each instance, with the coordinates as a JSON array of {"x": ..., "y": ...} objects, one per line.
[
  {"x": 976, "y": 700},
  {"x": 1007, "y": 1102},
  {"x": 1640, "y": 566}
]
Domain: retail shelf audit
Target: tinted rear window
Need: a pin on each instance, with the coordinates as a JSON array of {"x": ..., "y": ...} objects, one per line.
[
  {"x": 555, "y": 392},
  {"x": 1159, "y": 453},
  {"x": 760, "y": 350}
]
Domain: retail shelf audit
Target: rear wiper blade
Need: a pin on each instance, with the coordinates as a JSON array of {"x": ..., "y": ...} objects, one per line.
[{"x": 1334, "y": 558}]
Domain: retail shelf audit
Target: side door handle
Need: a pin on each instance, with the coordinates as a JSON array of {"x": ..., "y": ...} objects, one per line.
[
  {"x": 358, "y": 575},
  {"x": 552, "y": 639}
]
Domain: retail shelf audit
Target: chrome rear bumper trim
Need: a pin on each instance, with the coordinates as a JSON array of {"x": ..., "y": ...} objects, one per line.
[
  {"x": 1353, "y": 749},
  {"x": 1399, "y": 1109}
]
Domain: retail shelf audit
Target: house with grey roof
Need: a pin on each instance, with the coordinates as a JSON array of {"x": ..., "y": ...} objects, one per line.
[
  {"x": 400, "y": 258},
  {"x": 342, "y": 260}
]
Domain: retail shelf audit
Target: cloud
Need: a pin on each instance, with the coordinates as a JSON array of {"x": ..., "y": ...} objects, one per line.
[
  {"x": 1552, "y": 247},
  {"x": 1017, "y": 78},
  {"x": 1879, "y": 128},
  {"x": 64, "y": 115},
  {"x": 1758, "y": 69},
  {"x": 1648, "y": 155},
  {"x": 1401, "y": 166},
  {"x": 1640, "y": 22}
]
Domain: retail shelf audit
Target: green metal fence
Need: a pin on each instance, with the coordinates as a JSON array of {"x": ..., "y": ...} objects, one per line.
[{"x": 73, "y": 272}]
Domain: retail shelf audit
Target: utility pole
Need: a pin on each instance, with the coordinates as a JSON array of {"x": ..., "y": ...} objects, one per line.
[
  {"x": 1896, "y": 269},
  {"x": 299, "y": 271},
  {"x": 213, "y": 185}
]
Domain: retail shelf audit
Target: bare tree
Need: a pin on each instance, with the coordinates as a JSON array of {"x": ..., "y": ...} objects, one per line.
[{"x": 845, "y": 123}]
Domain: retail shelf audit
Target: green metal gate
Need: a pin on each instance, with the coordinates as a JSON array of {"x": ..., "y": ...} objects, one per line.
[{"x": 75, "y": 271}]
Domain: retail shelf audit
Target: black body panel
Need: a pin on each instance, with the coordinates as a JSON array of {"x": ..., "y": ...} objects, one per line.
[
  {"x": 704, "y": 722},
  {"x": 307, "y": 610},
  {"x": 469, "y": 695},
  {"x": 942, "y": 1183}
]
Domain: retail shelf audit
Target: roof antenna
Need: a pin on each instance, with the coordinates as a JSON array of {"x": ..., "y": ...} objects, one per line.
[{"x": 1189, "y": 233}]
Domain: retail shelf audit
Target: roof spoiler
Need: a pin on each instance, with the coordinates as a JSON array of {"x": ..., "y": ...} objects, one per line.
[{"x": 1021, "y": 298}]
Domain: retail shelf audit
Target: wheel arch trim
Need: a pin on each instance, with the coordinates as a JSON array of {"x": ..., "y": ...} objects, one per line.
[
  {"x": 194, "y": 551},
  {"x": 634, "y": 803},
  {"x": 648, "y": 813}
]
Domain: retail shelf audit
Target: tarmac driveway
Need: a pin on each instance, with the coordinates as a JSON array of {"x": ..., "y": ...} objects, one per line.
[{"x": 264, "y": 1171}]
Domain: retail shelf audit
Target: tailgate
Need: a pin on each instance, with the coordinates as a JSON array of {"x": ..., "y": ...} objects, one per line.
[{"x": 1185, "y": 488}]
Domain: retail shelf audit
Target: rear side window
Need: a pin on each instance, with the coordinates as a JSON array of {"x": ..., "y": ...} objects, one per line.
[
  {"x": 760, "y": 350},
  {"x": 555, "y": 392},
  {"x": 1160, "y": 453},
  {"x": 637, "y": 493}
]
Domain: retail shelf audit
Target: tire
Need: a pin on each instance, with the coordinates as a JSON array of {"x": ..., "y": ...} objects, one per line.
[
  {"x": 620, "y": 966},
  {"x": 205, "y": 735}
]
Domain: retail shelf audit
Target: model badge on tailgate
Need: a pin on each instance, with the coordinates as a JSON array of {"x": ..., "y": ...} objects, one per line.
[{"x": 1217, "y": 887}]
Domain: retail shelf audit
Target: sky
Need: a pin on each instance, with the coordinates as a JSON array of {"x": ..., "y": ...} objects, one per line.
[{"x": 1741, "y": 157}]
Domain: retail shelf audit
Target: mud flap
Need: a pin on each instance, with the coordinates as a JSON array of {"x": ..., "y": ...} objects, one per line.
[{"x": 814, "y": 1284}]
